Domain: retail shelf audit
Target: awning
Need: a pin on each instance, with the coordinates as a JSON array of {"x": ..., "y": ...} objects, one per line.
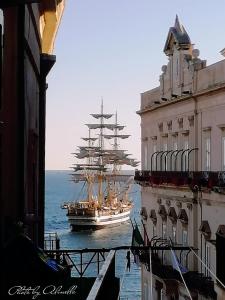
[
  {"x": 182, "y": 216},
  {"x": 172, "y": 214},
  {"x": 143, "y": 213},
  {"x": 153, "y": 215},
  {"x": 205, "y": 229},
  {"x": 221, "y": 230},
  {"x": 162, "y": 212}
]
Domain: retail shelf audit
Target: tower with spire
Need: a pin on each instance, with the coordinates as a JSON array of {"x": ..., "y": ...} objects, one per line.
[{"x": 176, "y": 77}]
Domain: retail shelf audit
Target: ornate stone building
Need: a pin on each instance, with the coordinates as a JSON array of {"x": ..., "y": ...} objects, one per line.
[
  {"x": 28, "y": 29},
  {"x": 183, "y": 174}
]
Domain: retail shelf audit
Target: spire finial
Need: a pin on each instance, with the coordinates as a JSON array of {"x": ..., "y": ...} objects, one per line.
[
  {"x": 101, "y": 105},
  {"x": 177, "y": 24}
]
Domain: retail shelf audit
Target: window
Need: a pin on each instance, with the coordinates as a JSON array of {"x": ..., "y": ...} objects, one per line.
[
  {"x": 207, "y": 259},
  {"x": 206, "y": 149},
  {"x": 184, "y": 257},
  {"x": 223, "y": 153},
  {"x": 161, "y": 294},
  {"x": 165, "y": 158},
  {"x": 145, "y": 291},
  {"x": 174, "y": 234},
  {"x": 207, "y": 154},
  {"x": 175, "y": 146},
  {"x": 154, "y": 149},
  {"x": 184, "y": 237},
  {"x": 146, "y": 157},
  {"x": 164, "y": 231},
  {"x": 154, "y": 230},
  {"x": 1, "y": 17},
  {"x": 165, "y": 146},
  {"x": 185, "y": 158}
]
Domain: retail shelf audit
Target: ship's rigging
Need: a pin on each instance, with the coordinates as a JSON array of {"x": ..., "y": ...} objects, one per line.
[{"x": 100, "y": 166}]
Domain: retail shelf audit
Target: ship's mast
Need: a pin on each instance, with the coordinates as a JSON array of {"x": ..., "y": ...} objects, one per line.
[
  {"x": 101, "y": 145},
  {"x": 115, "y": 146},
  {"x": 98, "y": 157},
  {"x": 89, "y": 175}
]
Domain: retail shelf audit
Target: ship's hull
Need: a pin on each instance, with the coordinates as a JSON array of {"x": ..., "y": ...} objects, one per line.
[{"x": 79, "y": 223}]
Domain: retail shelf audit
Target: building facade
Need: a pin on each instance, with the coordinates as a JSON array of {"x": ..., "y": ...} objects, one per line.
[
  {"x": 183, "y": 174},
  {"x": 28, "y": 29}
]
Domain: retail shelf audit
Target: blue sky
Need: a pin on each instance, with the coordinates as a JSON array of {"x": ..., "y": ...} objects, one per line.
[{"x": 114, "y": 49}]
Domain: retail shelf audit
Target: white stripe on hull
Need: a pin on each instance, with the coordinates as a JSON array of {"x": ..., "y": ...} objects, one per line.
[{"x": 96, "y": 222}]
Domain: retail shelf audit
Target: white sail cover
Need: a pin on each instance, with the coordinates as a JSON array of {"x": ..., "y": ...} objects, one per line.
[
  {"x": 89, "y": 148},
  {"x": 112, "y": 136},
  {"x": 111, "y": 151},
  {"x": 119, "y": 127},
  {"x": 118, "y": 178},
  {"x": 105, "y": 116},
  {"x": 97, "y": 126},
  {"x": 93, "y": 168},
  {"x": 89, "y": 139}
]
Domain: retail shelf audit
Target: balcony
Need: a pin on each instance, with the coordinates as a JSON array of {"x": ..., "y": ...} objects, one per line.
[
  {"x": 193, "y": 180},
  {"x": 78, "y": 274},
  {"x": 90, "y": 283},
  {"x": 197, "y": 282}
]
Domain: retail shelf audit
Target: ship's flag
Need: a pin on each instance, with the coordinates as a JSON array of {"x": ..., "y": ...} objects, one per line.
[
  {"x": 137, "y": 241},
  {"x": 176, "y": 264}
]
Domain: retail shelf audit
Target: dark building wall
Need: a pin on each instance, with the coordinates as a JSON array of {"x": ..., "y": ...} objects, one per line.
[{"x": 23, "y": 98}]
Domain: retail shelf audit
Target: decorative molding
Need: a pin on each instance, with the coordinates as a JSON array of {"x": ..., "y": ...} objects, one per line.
[
  {"x": 162, "y": 212},
  {"x": 144, "y": 139},
  {"x": 179, "y": 204},
  {"x": 182, "y": 216},
  {"x": 189, "y": 206},
  {"x": 159, "y": 200},
  {"x": 160, "y": 125},
  {"x": 185, "y": 132},
  {"x": 154, "y": 137},
  {"x": 191, "y": 120},
  {"x": 52, "y": 12},
  {"x": 153, "y": 216},
  {"x": 221, "y": 126},
  {"x": 143, "y": 213},
  {"x": 172, "y": 215},
  {"x": 168, "y": 202},
  {"x": 169, "y": 124},
  {"x": 205, "y": 229},
  {"x": 180, "y": 122},
  {"x": 174, "y": 134},
  {"x": 221, "y": 230},
  {"x": 207, "y": 128}
]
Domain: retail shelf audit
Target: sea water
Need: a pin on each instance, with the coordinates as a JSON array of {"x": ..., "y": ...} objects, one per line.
[{"x": 59, "y": 189}]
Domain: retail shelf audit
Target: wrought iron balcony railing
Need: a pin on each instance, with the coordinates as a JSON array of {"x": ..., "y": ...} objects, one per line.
[
  {"x": 195, "y": 281},
  {"x": 194, "y": 180}
]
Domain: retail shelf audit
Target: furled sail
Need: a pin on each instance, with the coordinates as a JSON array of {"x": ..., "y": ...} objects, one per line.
[
  {"x": 89, "y": 148},
  {"x": 99, "y": 157},
  {"x": 112, "y": 136},
  {"x": 105, "y": 116},
  {"x": 90, "y": 139},
  {"x": 98, "y": 126}
]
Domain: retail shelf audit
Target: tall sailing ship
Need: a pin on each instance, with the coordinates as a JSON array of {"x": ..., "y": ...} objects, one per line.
[{"x": 106, "y": 202}]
